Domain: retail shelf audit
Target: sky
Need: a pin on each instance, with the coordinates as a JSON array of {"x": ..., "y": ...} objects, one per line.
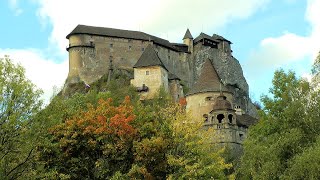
[{"x": 266, "y": 34}]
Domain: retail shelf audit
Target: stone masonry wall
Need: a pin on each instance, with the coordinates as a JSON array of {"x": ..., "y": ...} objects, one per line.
[{"x": 153, "y": 77}]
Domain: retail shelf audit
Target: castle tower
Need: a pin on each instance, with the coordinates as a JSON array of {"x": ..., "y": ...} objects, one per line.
[
  {"x": 79, "y": 49},
  {"x": 150, "y": 74},
  {"x": 188, "y": 40},
  {"x": 223, "y": 120},
  {"x": 201, "y": 96},
  {"x": 224, "y": 44}
]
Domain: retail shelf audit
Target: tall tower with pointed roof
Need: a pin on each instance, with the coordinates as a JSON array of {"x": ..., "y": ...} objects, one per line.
[
  {"x": 150, "y": 74},
  {"x": 188, "y": 40},
  {"x": 203, "y": 93}
]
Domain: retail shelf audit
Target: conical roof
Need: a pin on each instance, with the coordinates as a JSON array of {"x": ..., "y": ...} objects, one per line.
[
  {"x": 221, "y": 103},
  {"x": 209, "y": 80},
  {"x": 187, "y": 35},
  {"x": 149, "y": 58}
]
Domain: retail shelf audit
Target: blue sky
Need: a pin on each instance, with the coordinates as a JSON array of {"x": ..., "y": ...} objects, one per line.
[{"x": 266, "y": 34}]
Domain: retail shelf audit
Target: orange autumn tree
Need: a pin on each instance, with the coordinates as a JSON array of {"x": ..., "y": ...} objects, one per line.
[{"x": 94, "y": 144}]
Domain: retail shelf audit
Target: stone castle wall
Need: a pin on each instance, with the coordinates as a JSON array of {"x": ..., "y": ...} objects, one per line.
[
  {"x": 90, "y": 63},
  {"x": 153, "y": 77},
  {"x": 203, "y": 102},
  {"x": 90, "y": 57}
]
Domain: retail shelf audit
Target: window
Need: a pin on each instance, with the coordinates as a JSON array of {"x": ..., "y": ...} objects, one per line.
[
  {"x": 241, "y": 136},
  {"x": 230, "y": 118},
  {"x": 147, "y": 72},
  {"x": 142, "y": 49},
  {"x": 220, "y": 117},
  {"x": 130, "y": 47},
  {"x": 168, "y": 57},
  {"x": 111, "y": 45}
]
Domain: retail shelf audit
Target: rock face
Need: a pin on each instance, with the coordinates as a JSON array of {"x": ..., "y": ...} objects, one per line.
[
  {"x": 227, "y": 67},
  {"x": 231, "y": 74}
]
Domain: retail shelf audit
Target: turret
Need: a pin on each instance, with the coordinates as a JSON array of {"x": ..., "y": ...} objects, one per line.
[
  {"x": 188, "y": 40},
  {"x": 224, "y": 44}
]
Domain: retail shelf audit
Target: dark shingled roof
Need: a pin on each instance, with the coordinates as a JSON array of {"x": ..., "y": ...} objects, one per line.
[
  {"x": 218, "y": 37},
  {"x": 204, "y": 36},
  {"x": 149, "y": 58},
  {"x": 181, "y": 47},
  {"x": 221, "y": 103},
  {"x": 110, "y": 32},
  {"x": 246, "y": 120},
  {"x": 187, "y": 35},
  {"x": 209, "y": 80}
]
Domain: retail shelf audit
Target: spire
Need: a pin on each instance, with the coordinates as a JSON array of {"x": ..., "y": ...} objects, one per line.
[
  {"x": 209, "y": 80},
  {"x": 149, "y": 58},
  {"x": 187, "y": 35}
]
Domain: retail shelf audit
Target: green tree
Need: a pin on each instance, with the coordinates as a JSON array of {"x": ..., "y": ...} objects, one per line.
[
  {"x": 287, "y": 134},
  {"x": 19, "y": 102},
  {"x": 315, "y": 71},
  {"x": 159, "y": 144}
]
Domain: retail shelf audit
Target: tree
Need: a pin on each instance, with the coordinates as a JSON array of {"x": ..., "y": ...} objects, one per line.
[
  {"x": 315, "y": 71},
  {"x": 287, "y": 135},
  {"x": 94, "y": 144},
  {"x": 148, "y": 140},
  {"x": 19, "y": 102}
]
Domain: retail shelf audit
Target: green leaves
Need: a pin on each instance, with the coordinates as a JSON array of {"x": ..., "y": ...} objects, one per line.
[
  {"x": 286, "y": 133},
  {"x": 19, "y": 102}
]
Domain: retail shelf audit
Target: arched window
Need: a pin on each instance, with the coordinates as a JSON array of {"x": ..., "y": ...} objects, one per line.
[
  {"x": 230, "y": 118},
  {"x": 220, "y": 117}
]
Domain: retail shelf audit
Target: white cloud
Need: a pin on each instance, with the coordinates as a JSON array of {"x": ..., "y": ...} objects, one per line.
[
  {"x": 165, "y": 18},
  {"x": 289, "y": 48},
  {"x": 44, "y": 73}
]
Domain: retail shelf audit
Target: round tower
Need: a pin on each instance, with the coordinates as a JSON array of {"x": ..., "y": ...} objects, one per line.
[{"x": 78, "y": 50}]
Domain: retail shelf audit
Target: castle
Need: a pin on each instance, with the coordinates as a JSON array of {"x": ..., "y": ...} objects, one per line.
[{"x": 218, "y": 91}]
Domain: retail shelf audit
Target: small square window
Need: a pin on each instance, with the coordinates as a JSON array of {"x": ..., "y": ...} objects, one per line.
[
  {"x": 147, "y": 72},
  {"x": 111, "y": 45}
]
